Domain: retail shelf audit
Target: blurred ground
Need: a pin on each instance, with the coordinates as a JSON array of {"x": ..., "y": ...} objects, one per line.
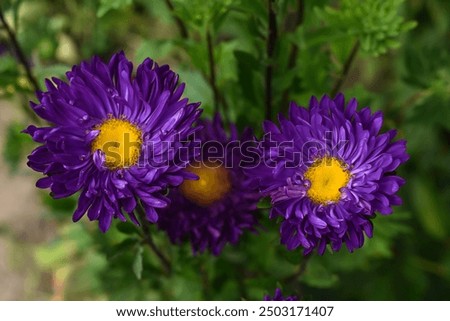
[{"x": 21, "y": 225}]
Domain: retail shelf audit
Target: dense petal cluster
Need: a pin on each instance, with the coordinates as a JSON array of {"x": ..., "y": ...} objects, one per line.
[
  {"x": 278, "y": 296},
  {"x": 328, "y": 169},
  {"x": 91, "y": 118},
  {"x": 218, "y": 208}
]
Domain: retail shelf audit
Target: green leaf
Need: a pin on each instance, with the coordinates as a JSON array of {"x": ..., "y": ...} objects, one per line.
[
  {"x": 55, "y": 255},
  {"x": 429, "y": 208},
  {"x": 318, "y": 276},
  {"x": 108, "y": 5},
  {"x": 60, "y": 206},
  {"x": 127, "y": 228},
  {"x": 376, "y": 23},
  {"x": 247, "y": 66},
  {"x": 16, "y": 145},
  {"x": 294, "y": 257},
  {"x": 123, "y": 247},
  {"x": 264, "y": 203},
  {"x": 198, "y": 14},
  {"x": 138, "y": 263},
  {"x": 256, "y": 8},
  {"x": 197, "y": 89},
  {"x": 9, "y": 71},
  {"x": 57, "y": 70},
  {"x": 156, "y": 49}
]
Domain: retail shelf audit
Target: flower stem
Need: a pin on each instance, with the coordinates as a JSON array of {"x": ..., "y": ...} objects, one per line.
[
  {"x": 292, "y": 60},
  {"x": 294, "y": 277},
  {"x": 19, "y": 52},
  {"x": 23, "y": 61},
  {"x": 181, "y": 26},
  {"x": 347, "y": 65},
  {"x": 148, "y": 239},
  {"x": 270, "y": 48},
  {"x": 206, "y": 286},
  {"x": 212, "y": 71},
  {"x": 299, "y": 18}
]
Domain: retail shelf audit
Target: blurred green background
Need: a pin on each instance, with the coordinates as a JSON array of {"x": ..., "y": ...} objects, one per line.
[{"x": 392, "y": 55}]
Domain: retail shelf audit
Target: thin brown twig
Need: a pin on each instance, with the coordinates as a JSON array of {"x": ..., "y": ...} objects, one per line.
[
  {"x": 20, "y": 55},
  {"x": 270, "y": 48},
  {"x": 299, "y": 272},
  {"x": 212, "y": 71},
  {"x": 19, "y": 52},
  {"x": 181, "y": 26},
  {"x": 211, "y": 78},
  {"x": 148, "y": 239},
  {"x": 292, "y": 60},
  {"x": 345, "y": 70}
]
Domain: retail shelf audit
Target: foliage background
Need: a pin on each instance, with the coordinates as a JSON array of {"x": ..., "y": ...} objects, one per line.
[{"x": 400, "y": 63}]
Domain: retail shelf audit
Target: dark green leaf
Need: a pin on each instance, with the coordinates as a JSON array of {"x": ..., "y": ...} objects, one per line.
[
  {"x": 127, "y": 245},
  {"x": 127, "y": 228}
]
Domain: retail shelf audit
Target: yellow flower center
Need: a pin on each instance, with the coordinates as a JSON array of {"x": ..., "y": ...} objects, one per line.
[
  {"x": 327, "y": 176},
  {"x": 213, "y": 184},
  {"x": 120, "y": 141}
]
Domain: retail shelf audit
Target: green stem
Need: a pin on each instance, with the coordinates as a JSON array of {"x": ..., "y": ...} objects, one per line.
[
  {"x": 19, "y": 52},
  {"x": 148, "y": 239},
  {"x": 299, "y": 271},
  {"x": 292, "y": 60},
  {"x": 181, "y": 26},
  {"x": 345, "y": 70},
  {"x": 270, "y": 48},
  {"x": 205, "y": 281},
  {"x": 212, "y": 71},
  {"x": 23, "y": 61}
]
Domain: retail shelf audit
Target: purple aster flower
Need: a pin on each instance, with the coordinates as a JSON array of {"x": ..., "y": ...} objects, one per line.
[
  {"x": 217, "y": 208},
  {"x": 328, "y": 170},
  {"x": 278, "y": 296},
  {"x": 107, "y": 128}
]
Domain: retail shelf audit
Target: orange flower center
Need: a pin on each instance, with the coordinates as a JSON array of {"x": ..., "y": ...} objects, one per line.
[{"x": 213, "y": 184}]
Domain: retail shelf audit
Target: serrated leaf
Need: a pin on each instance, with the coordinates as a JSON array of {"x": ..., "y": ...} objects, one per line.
[{"x": 376, "y": 23}]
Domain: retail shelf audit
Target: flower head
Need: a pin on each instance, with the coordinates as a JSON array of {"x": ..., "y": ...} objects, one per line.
[
  {"x": 114, "y": 136},
  {"x": 216, "y": 208},
  {"x": 328, "y": 170},
  {"x": 278, "y": 296}
]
